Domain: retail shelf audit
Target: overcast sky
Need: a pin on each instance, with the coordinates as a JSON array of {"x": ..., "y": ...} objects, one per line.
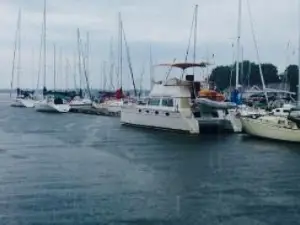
[{"x": 163, "y": 24}]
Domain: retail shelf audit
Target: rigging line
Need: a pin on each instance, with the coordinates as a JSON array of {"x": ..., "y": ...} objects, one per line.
[
  {"x": 40, "y": 59},
  {"x": 14, "y": 56},
  {"x": 257, "y": 52},
  {"x": 170, "y": 69},
  {"x": 189, "y": 42},
  {"x": 129, "y": 59}
]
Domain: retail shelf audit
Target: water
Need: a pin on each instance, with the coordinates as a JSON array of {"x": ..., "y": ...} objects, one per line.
[{"x": 82, "y": 169}]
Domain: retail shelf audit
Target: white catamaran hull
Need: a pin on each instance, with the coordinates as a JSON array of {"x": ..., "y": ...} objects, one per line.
[
  {"x": 24, "y": 103},
  {"x": 158, "y": 119},
  {"x": 51, "y": 107},
  {"x": 256, "y": 127}
]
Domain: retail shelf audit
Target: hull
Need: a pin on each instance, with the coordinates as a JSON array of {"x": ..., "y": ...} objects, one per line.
[
  {"x": 108, "y": 109},
  {"x": 81, "y": 104},
  {"x": 23, "y": 103},
  {"x": 256, "y": 127},
  {"x": 51, "y": 107},
  {"x": 167, "y": 120}
]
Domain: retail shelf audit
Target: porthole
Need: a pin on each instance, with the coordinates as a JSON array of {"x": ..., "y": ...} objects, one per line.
[
  {"x": 167, "y": 114},
  {"x": 156, "y": 112}
]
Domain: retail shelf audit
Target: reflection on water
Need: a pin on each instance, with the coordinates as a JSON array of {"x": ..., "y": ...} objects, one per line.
[{"x": 80, "y": 169}]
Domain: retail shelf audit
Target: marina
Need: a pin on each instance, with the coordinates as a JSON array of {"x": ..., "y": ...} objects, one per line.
[{"x": 114, "y": 136}]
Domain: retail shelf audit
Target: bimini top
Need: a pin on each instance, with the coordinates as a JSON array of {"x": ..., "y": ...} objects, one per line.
[{"x": 184, "y": 65}]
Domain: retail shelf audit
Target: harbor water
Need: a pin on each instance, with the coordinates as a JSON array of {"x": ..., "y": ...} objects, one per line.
[{"x": 85, "y": 169}]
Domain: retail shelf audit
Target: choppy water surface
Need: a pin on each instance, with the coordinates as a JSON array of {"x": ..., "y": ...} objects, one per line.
[{"x": 81, "y": 169}]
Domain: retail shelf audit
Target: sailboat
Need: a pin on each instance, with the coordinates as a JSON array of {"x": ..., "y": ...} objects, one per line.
[
  {"x": 24, "y": 98},
  {"x": 112, "y": 106},
  {"x": 277, "y": 127},
  {"x": 52, "y": 102},
  {"x": 81, "y": 101}
]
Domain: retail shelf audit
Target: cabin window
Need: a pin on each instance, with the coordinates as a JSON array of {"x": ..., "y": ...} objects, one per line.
[
  {"x": 278, "y": 110},
  {"x": 168, "y": 102},
  {"x": 154, "y": 101},
  {"x": 286, "y": 111}
]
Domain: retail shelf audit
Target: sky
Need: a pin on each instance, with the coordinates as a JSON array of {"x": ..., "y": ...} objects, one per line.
[{"x": 162, "y": 24}]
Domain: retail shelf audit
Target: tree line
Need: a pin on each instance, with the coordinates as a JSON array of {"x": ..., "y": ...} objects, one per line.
[{"x": 224, "y": 76}]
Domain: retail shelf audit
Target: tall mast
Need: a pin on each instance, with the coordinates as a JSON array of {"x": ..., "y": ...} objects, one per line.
[
  {"x": 14, "y": 55},
  {"x": 45, "y": 55},
  {"x": 32, "y": 69},
  {"x": 79, "y": 58},
  {"x": 238, "y": 44},
  {"x": 67, "y": 73},
  {"x": 54, "y": 67},
  {"x": 74, "y": 70},
  {"x": 88, "y": 53},
  {"x": 151, "y": 69},
  {"x": 19, "y": 52},
  {"x": 195, "y": 36},
  {"x": 120, "y": 49},
  {"x": 60, "y": 66}
]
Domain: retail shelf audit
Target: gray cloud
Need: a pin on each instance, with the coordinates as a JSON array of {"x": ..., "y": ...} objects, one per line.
[{"x": 162, "y": 24}]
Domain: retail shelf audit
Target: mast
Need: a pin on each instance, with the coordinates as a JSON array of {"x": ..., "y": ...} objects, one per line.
[
  {"x": 45, "y": 55},
  {"x": 40, "y": 60},
  {"x": 67, "y": 73},
  {"x": 32, "y": 69},
  {"x": 238, "y": 44},
  {"x": 88, "y": 53},
  {"x": 14, "y": 55},
  {"x": 79, "y": 59},
  {"x": 120, "y": 49},
  {"x": 74, "y": 70},
  {"x": 195, "y": 36},
  {"x": 257, "y": 54},
  {"x": 60, "y": 65},
  {"x": 19, "y": 53},
  {"x": 151, "y": 68},
  {"x": 54, "y": 67},
  {"x": 111, "y": 69}
]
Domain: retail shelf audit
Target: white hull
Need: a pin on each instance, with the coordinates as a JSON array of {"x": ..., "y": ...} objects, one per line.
[
  {"x": 44, "y": 106},
  {"x": 109, "y": 108},
  {"x": 23, "y": 103},
  {"x": 130, "y": 115},
  {"x": 264, "y": 129},
  {"x": 81, "y": 104}
]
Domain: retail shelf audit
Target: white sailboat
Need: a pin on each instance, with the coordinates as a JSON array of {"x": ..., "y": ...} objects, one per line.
[
  {"x": 112, "y": 106},
  {"x": 51, "y": 102},
  {"x": 24, "y": 98},
  {"x": 277, "y": 127}
]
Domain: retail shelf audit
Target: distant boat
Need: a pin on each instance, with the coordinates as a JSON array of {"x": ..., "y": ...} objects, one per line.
[{"x": 52, "y": 103}]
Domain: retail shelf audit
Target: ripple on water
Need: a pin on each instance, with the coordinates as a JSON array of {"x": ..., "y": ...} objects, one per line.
[{"x": 80, "y": 169}]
